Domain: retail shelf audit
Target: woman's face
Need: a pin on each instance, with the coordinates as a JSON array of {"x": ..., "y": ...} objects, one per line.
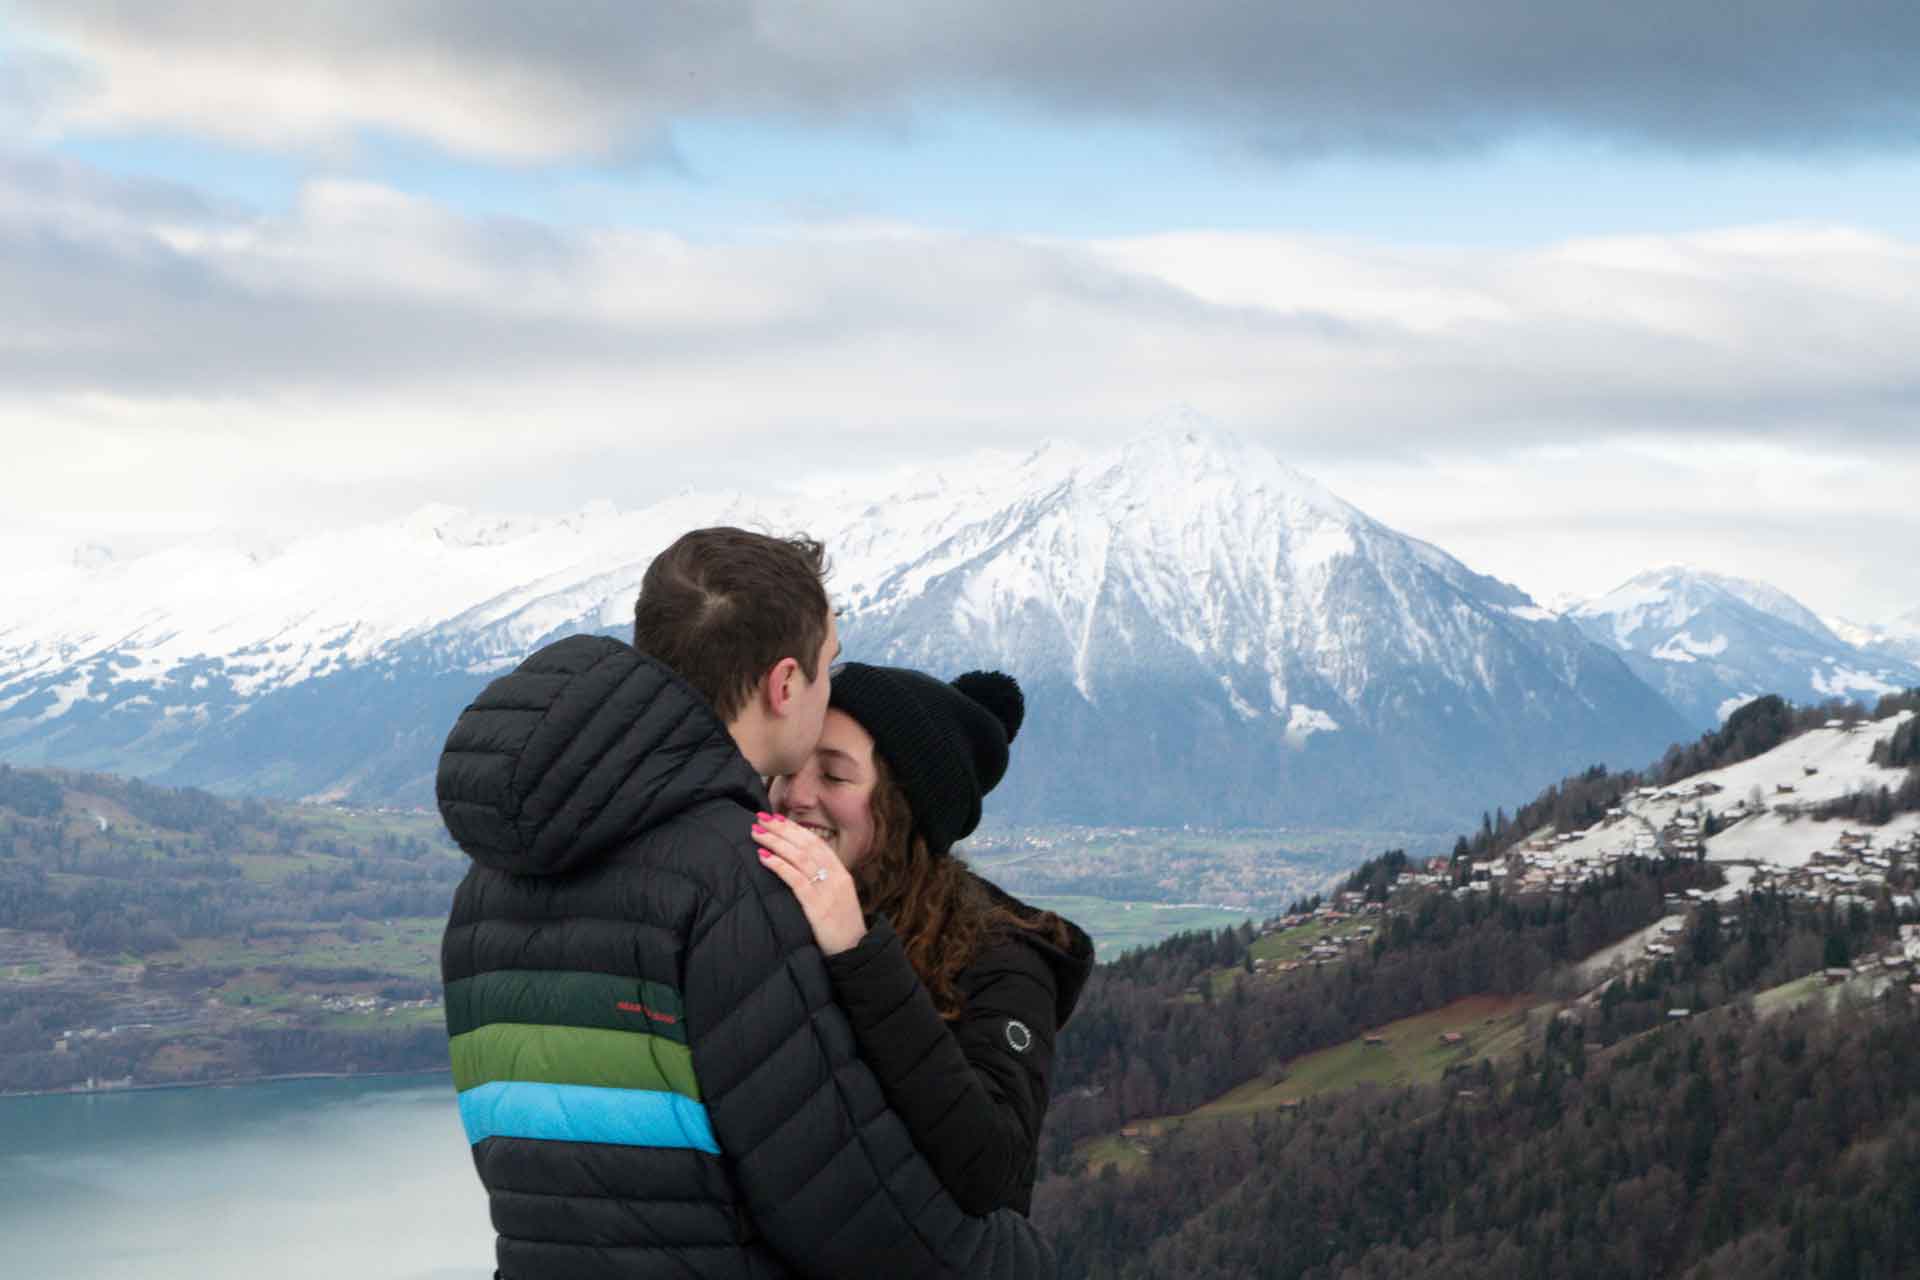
[{"x": 832, "y": 794}]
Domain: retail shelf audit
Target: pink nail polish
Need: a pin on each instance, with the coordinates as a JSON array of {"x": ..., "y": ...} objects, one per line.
[
  {"x": 759, "y": 830},
  {"x": 764, "y": 855}
]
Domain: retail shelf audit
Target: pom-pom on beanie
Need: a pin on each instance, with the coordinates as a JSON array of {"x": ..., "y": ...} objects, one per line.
[{"x": 946, "y": 744}]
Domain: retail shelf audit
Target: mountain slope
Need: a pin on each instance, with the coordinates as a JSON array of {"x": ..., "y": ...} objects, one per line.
[
  {"x": 1205, "y": 634},
  {"x": 1710, "y": 642},
  {"x": 1246, "y": 632},
  {"x": 1898, "y": 640}
]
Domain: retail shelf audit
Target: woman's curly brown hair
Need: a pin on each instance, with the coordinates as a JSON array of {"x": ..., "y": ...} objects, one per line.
[{"x": 940, "y": 910}]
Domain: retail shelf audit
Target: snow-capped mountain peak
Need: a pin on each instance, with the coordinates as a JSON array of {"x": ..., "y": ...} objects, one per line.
[
  {"x": 1203, "y": 630},
  {"x": 1899, "y": 638},
  {"x": 1671, "y": 595},
  {"x": 1710, "y": 642}
]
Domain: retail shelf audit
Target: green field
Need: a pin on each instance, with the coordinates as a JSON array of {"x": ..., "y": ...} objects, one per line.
[
  {"x": 408, "y": 948},
  {"x": 1791, "y": 995},
  {"x": 1121, "y": 926},
  {"x": 1410, "y": 1053}
]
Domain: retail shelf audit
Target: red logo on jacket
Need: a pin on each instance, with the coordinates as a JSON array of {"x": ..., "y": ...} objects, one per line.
[{"x": 630, "y": 1006}]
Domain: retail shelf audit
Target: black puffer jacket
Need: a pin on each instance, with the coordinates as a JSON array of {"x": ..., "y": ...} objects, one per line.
[
  {"x": 974, "y": 1091},
  {"x": 651, "y": 1069}
]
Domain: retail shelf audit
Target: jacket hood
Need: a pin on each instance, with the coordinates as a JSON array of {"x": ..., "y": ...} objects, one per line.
[
  {"x": 1071, "y": 964},
  {"x": 580, "y": 748}
]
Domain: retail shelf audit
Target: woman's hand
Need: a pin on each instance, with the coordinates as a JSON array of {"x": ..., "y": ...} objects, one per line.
[{"x": 811, "y": 869}]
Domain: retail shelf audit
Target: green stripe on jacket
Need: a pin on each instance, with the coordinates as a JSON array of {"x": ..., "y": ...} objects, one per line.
[
  {"x": 565, "y": 998},
  {"x": 506, "y": 1051}
]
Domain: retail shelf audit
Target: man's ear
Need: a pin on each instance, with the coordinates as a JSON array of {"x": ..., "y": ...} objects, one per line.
[{"x": 781, "y": 683}]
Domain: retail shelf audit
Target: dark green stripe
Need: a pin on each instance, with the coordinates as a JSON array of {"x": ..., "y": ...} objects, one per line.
[
  {"x": 505, "y": 1051},
  {"x": 564, "y": 998}
]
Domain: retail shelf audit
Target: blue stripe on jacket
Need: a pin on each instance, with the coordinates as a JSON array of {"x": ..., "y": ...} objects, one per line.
[{"x": 585, "y": 1113}]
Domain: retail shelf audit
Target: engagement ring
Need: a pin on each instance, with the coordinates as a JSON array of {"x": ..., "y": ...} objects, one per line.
[{"x": 820, "y": 875}]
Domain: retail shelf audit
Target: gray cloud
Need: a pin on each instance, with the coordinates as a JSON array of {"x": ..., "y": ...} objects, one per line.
[
  {"x": 1560, "y": 415},
  {"x": 1298, "y": 78},
  {"x": 367, "y": 305}
]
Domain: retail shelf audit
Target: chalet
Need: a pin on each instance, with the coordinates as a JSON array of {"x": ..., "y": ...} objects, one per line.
[
  {"x": 1837, "y": 976},
  {"x": 1452, "y": 1037},
  {"x": 1679, "y": 1015},
  {"x": 1373, "y": 1040}
]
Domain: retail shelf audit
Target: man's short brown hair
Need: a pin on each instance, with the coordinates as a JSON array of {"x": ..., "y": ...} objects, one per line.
[{"x": 721, "y": 606}]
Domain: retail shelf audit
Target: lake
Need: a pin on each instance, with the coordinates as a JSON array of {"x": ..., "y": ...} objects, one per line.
[{"x": 358, "y": 1179}]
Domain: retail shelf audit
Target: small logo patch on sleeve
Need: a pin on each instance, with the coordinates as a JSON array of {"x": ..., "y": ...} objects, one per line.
[{"x": 1019, "y": 1038}]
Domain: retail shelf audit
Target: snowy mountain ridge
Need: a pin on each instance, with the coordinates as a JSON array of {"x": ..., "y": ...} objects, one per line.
[
  {"x": 1710, "y": 642},
  {"x": 1899, "y": 638},
  {"x": 1204, "y": 632}
]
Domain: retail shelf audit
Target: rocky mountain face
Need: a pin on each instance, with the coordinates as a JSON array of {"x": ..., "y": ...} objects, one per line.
[
  {"x": 1205, "y": 636},
  {"x": 1709, "y": 643}
]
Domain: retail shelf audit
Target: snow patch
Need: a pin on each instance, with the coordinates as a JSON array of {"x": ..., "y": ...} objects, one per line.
[
  {"x": 1241, "y": 707},
  {"x": 1304, "y": 721},
  {"x": 1682, "y": 647},
  {"x": 1840, "y": 681}
]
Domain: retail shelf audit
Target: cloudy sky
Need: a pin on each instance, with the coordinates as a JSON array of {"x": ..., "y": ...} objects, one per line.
[{"x": 1568, "y": 289}]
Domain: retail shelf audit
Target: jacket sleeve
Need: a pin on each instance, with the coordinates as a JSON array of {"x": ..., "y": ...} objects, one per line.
[
  {"x": 972, "y": 1092},
  {"x": 827, "y": 1171}
]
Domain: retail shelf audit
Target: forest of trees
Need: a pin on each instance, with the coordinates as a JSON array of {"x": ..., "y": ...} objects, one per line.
[
  {"x": 1734, "y": 1146},
  {"x": 1627, "y": 1140},
  {"x": 116, "y": 869},
  {"x": 120, "y": 893},
  {"x": 1150, "y": 1037}
]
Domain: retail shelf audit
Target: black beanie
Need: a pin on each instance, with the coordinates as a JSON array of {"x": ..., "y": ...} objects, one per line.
[{"x": 946, "y": 744}]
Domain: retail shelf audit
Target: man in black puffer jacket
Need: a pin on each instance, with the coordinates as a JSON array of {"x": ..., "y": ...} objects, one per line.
[{"x": 650, "y": 1065}]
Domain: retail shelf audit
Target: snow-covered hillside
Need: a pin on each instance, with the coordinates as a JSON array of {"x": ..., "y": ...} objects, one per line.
[
  {"x": 1759, "y": 808},
  {"x": 1710, "y": 643},
  {"x": 1206, "y": 634}
]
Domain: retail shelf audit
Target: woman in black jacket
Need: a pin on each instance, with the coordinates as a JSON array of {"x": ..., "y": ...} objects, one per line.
[{"x": 955, "y": 990}]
